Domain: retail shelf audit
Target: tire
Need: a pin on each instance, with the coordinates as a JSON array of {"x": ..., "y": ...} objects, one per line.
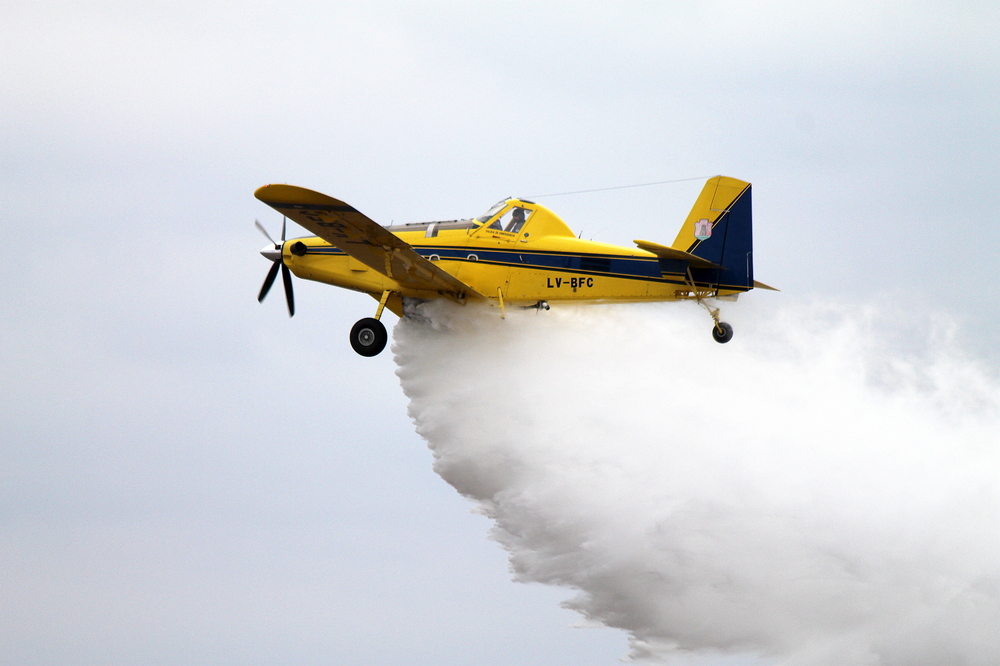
[
  {"x": 368, "y": 337},
  {"x": 722, "y": 333}
]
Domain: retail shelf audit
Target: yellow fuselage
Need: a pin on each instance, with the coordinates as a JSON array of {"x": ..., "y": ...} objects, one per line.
[{"x": 541, "y": 261}]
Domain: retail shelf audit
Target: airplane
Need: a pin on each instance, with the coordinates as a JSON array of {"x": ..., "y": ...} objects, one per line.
[{"x": 517, "y": 254}]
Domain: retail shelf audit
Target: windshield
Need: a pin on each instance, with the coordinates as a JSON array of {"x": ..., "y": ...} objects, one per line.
[{"x": 492, "y": 211}]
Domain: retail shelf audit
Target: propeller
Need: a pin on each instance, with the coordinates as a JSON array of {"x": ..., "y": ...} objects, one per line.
[{"x": 274, "y": 254}]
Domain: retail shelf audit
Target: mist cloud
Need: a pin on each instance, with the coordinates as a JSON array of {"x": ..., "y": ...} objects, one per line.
[{"x": 815, "y": 492}]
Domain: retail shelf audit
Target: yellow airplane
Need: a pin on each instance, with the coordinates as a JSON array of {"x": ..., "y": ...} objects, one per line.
[{"x": 517, "y": 254}]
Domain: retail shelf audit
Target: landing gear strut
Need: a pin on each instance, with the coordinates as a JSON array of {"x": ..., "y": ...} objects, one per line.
[{"x": 721, "y": 331}]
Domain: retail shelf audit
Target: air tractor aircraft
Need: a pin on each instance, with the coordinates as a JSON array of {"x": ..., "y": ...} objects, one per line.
[{"x": 517, "y": 254}]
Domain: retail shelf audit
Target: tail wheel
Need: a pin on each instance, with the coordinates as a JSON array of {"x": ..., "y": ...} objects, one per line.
[
  {"x": 368, "y": 337},
  {"x": 722, "y": 332}
]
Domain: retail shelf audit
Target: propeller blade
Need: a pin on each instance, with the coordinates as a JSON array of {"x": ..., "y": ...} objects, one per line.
[
  {"x": 269, "y": 280},
  {"x": 282, "y": 228},
  {"x": 264, "y": 231},
  {"x": 286, "y": 277}
]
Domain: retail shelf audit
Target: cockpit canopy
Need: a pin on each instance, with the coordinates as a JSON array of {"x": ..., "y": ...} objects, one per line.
[
  {"x": 511, "y": 221},
  {"x": 520, "y": 218},
  {"x": 506, "y": 219}
]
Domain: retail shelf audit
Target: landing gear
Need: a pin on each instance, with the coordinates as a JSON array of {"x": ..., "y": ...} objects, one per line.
[
  {"x": 368, "y": 337},
  {"x": 722, "y": 332}
]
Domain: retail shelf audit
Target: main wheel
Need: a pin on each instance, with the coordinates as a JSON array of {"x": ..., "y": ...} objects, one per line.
[
  {"x": 368, "y": 337},
  {"x": 722, "y": 333}
]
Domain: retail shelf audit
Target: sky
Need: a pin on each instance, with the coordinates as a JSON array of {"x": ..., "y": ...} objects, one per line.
[{"x": 188, "y": 476}]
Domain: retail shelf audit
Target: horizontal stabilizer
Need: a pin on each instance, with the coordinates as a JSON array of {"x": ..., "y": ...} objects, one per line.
[
  {"x": 670, "y": 253},
  {"x": 761, "y": 285}
]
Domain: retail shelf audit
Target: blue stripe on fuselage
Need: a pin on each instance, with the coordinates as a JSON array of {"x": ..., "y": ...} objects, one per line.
[{"x": 655, "y": 269}]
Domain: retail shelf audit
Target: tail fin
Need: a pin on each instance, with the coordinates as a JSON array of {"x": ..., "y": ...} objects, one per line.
[{"x": 719, "y": 229}]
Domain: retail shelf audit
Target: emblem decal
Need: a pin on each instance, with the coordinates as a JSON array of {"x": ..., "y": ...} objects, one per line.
[{"x": 702, "y": 229}]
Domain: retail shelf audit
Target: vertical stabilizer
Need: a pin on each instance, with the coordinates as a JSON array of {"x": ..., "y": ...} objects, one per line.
[{"x": 719, "y": 228}]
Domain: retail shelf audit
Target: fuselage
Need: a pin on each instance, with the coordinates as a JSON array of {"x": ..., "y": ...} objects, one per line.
[{"x": 520, "y": 252}]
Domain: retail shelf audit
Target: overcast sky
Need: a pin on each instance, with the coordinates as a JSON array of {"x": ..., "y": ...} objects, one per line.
[{"x": 188, "y": 476}]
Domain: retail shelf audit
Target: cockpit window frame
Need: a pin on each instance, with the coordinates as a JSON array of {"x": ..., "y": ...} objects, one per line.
[{"x": 491, "y": 213}]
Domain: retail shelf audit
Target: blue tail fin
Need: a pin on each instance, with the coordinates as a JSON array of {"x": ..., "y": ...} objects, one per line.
[{"x": 720, "y": 229}]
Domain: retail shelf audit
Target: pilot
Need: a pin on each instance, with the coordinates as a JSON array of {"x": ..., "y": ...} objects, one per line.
[{"x": 517, "y": 221}]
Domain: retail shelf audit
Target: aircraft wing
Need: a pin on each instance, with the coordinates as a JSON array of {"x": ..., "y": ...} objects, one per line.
[{"x": 362, "y": 238}]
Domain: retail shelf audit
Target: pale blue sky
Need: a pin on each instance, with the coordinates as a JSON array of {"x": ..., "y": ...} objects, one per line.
[{"x": 188, "y": 476}]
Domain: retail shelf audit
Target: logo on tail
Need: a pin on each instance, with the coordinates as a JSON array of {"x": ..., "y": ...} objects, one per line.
[{"x": 703, "y": 229}]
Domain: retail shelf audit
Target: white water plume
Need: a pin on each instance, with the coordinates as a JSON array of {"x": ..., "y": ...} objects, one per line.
[{"x": 802, "y": 495}]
